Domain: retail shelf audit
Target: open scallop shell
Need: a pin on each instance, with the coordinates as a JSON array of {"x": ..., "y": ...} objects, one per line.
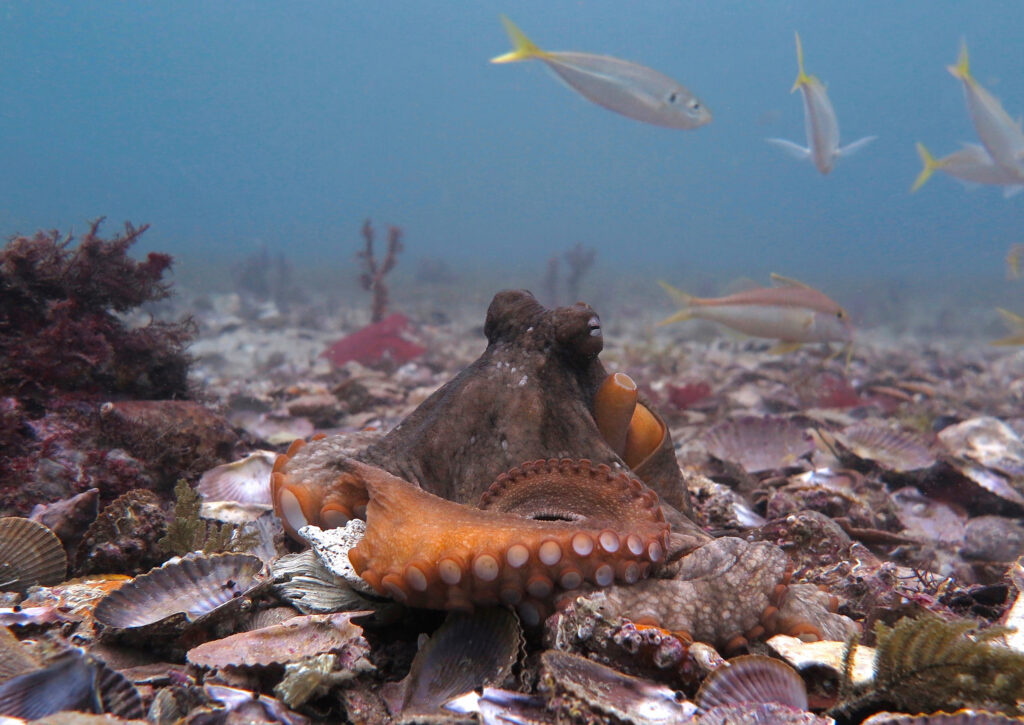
[
  {"x": 194, "y": 586},
  {"x": 244, "y": 481},
  {"x": 759, "y": 444},
  {"x": 752, "y": 680},
  {"x": 895, "y": 450},
  {"x": 30, "y": 554}
]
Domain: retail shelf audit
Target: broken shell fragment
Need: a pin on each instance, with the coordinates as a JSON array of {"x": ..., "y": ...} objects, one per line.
[
  {"x": 759, "y": 444},
  {"x": 960, "y": 717},
  {"x": 195, "y": 586},
  {"x": 591, "y": 685},
  {"x": 825, "y": 654},
  {"x": 246, "y": 480},
  {"x": 30, "y": 554},
  {"x": 987, "y": 441}
]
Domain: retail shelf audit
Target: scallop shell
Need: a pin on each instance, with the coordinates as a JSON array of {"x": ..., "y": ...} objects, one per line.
[
  {"x": 608, "y": 691},
  {"x": 194, "y": 586},
  {"x": 988, "y": 441},
  {"x": 752, "y": 679},
  {"x": 71, "y": 681},
  {"x": 896, "y": 450},
  {"x": 244, "y": 481},
  {"x": 759, "y": 444},
  {"x": 465, "y": 653},
  {"x": 290, "y": 641},
  {"x": 960, "y": 717},
  {"x": 30, "y": 554}
]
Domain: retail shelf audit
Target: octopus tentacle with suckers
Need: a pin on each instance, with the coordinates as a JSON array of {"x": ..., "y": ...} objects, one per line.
[{"x": 455, "y": 518}]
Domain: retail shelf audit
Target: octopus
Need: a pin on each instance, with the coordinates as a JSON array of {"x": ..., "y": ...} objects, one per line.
[{"x": 533, "y": 473}]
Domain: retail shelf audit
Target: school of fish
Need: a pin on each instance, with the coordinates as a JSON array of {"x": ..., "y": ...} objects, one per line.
[{"x": 791, "y": 312}]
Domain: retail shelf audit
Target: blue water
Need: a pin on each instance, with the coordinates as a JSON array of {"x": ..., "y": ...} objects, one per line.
[{"x": 229, "y": 125}]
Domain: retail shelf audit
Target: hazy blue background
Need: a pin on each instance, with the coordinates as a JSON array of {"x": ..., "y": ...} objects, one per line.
[{"x": 230, "y": 124}]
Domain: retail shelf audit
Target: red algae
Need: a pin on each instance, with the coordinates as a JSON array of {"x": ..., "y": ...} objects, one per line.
[{"x": 375, "y": 343}]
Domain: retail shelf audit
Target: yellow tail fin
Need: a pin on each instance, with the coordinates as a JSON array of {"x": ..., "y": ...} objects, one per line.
[
  {"x": 523, "y": 47},
  {"x": 680, "y": 298},
  {"x": 930, "y": 164},
  {"x": 962, "y": 69},
  {"x": 802, "y": 78},
  {"x": 1014, "y": 321}
]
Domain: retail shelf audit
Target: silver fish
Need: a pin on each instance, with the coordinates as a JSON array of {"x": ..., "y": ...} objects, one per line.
[
  {"x": 628, "y": 88},
  {"x": 820, "y": 120},
  {"x": 999, "y": 134},
  {"x": 971, "y": 164}
]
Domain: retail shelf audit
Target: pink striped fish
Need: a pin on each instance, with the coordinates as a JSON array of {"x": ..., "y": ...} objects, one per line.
[{"x": 792, "y": 313}]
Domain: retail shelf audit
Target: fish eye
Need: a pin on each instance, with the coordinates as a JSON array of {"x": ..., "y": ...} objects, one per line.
[{"x": 695, "y": 105}]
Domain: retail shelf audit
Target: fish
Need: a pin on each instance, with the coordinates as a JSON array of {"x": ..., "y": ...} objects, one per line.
[
  {"x": 999, "y": 134},
  {"x": 971, "y": 164},
  {"x": 1013, "y": 258},
  {"x": 631, "y": 89},
  {"x": 791, "y": 312},
  {"x": 1016, "y": 323},
  {"x": 820, "y": 121}
]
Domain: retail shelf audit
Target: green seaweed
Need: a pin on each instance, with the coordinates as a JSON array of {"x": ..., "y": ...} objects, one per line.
[
  {"x": 928, "y": 664},
  {"x": 187, "y": 532}
]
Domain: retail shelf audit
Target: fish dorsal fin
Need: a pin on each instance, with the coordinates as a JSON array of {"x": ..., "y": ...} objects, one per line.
[
  {"x": 781, "y": 281},
  {"x": 802, "y": 78}
]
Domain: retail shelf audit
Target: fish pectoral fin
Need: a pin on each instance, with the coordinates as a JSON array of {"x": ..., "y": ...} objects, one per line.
[
  {"x": 680, "y": 316},
  {"x": 851, "y": 148},
  {"x": 795, "y": 150},
  {"x": 1010, "y": 191},
  {"x": 784, "y": 347},
  {"x": 789, "y": 282},
  {"x": 522, "y": 47}
]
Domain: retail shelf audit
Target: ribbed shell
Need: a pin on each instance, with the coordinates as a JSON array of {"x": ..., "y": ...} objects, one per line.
[
  {"x": 465, "y": 653},
  {"x": 72, "y": 681},
  {"x": 896, "y": 450},
  {"x": 759, "y": 444},
  {"x": 30, "y": 554},
  {"x": 245, "y": 481},
  {"x": 752, "y": 679},
  {"x": 279, "y": 644},
  {"x": 194, "y": 586}
]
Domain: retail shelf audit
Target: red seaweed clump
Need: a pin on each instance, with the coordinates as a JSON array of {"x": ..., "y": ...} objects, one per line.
[
  {"x": 66, "y": 350},
  {"x": 59, "y": 309},
  {"x": 376, "y": 343}
]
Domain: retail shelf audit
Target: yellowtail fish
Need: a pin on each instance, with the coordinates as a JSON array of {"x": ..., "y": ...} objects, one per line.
[
  {"x": 998, "y": 133},
  {"x": 971, "y": 164},
  {"x": 1016, "y": 323},
  {"x": 619, "y": 85},
  {"x": 820, "y": 121},
  {"x": 1013, "y": 259},
  {"x": 792, "y": 313}
]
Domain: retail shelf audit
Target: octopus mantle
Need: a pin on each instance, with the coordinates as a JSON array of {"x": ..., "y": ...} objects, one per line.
[{"x": 454, "y": 515}]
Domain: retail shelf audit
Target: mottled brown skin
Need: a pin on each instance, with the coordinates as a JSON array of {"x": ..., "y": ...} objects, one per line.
[{"x": 529, "y": 396}]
